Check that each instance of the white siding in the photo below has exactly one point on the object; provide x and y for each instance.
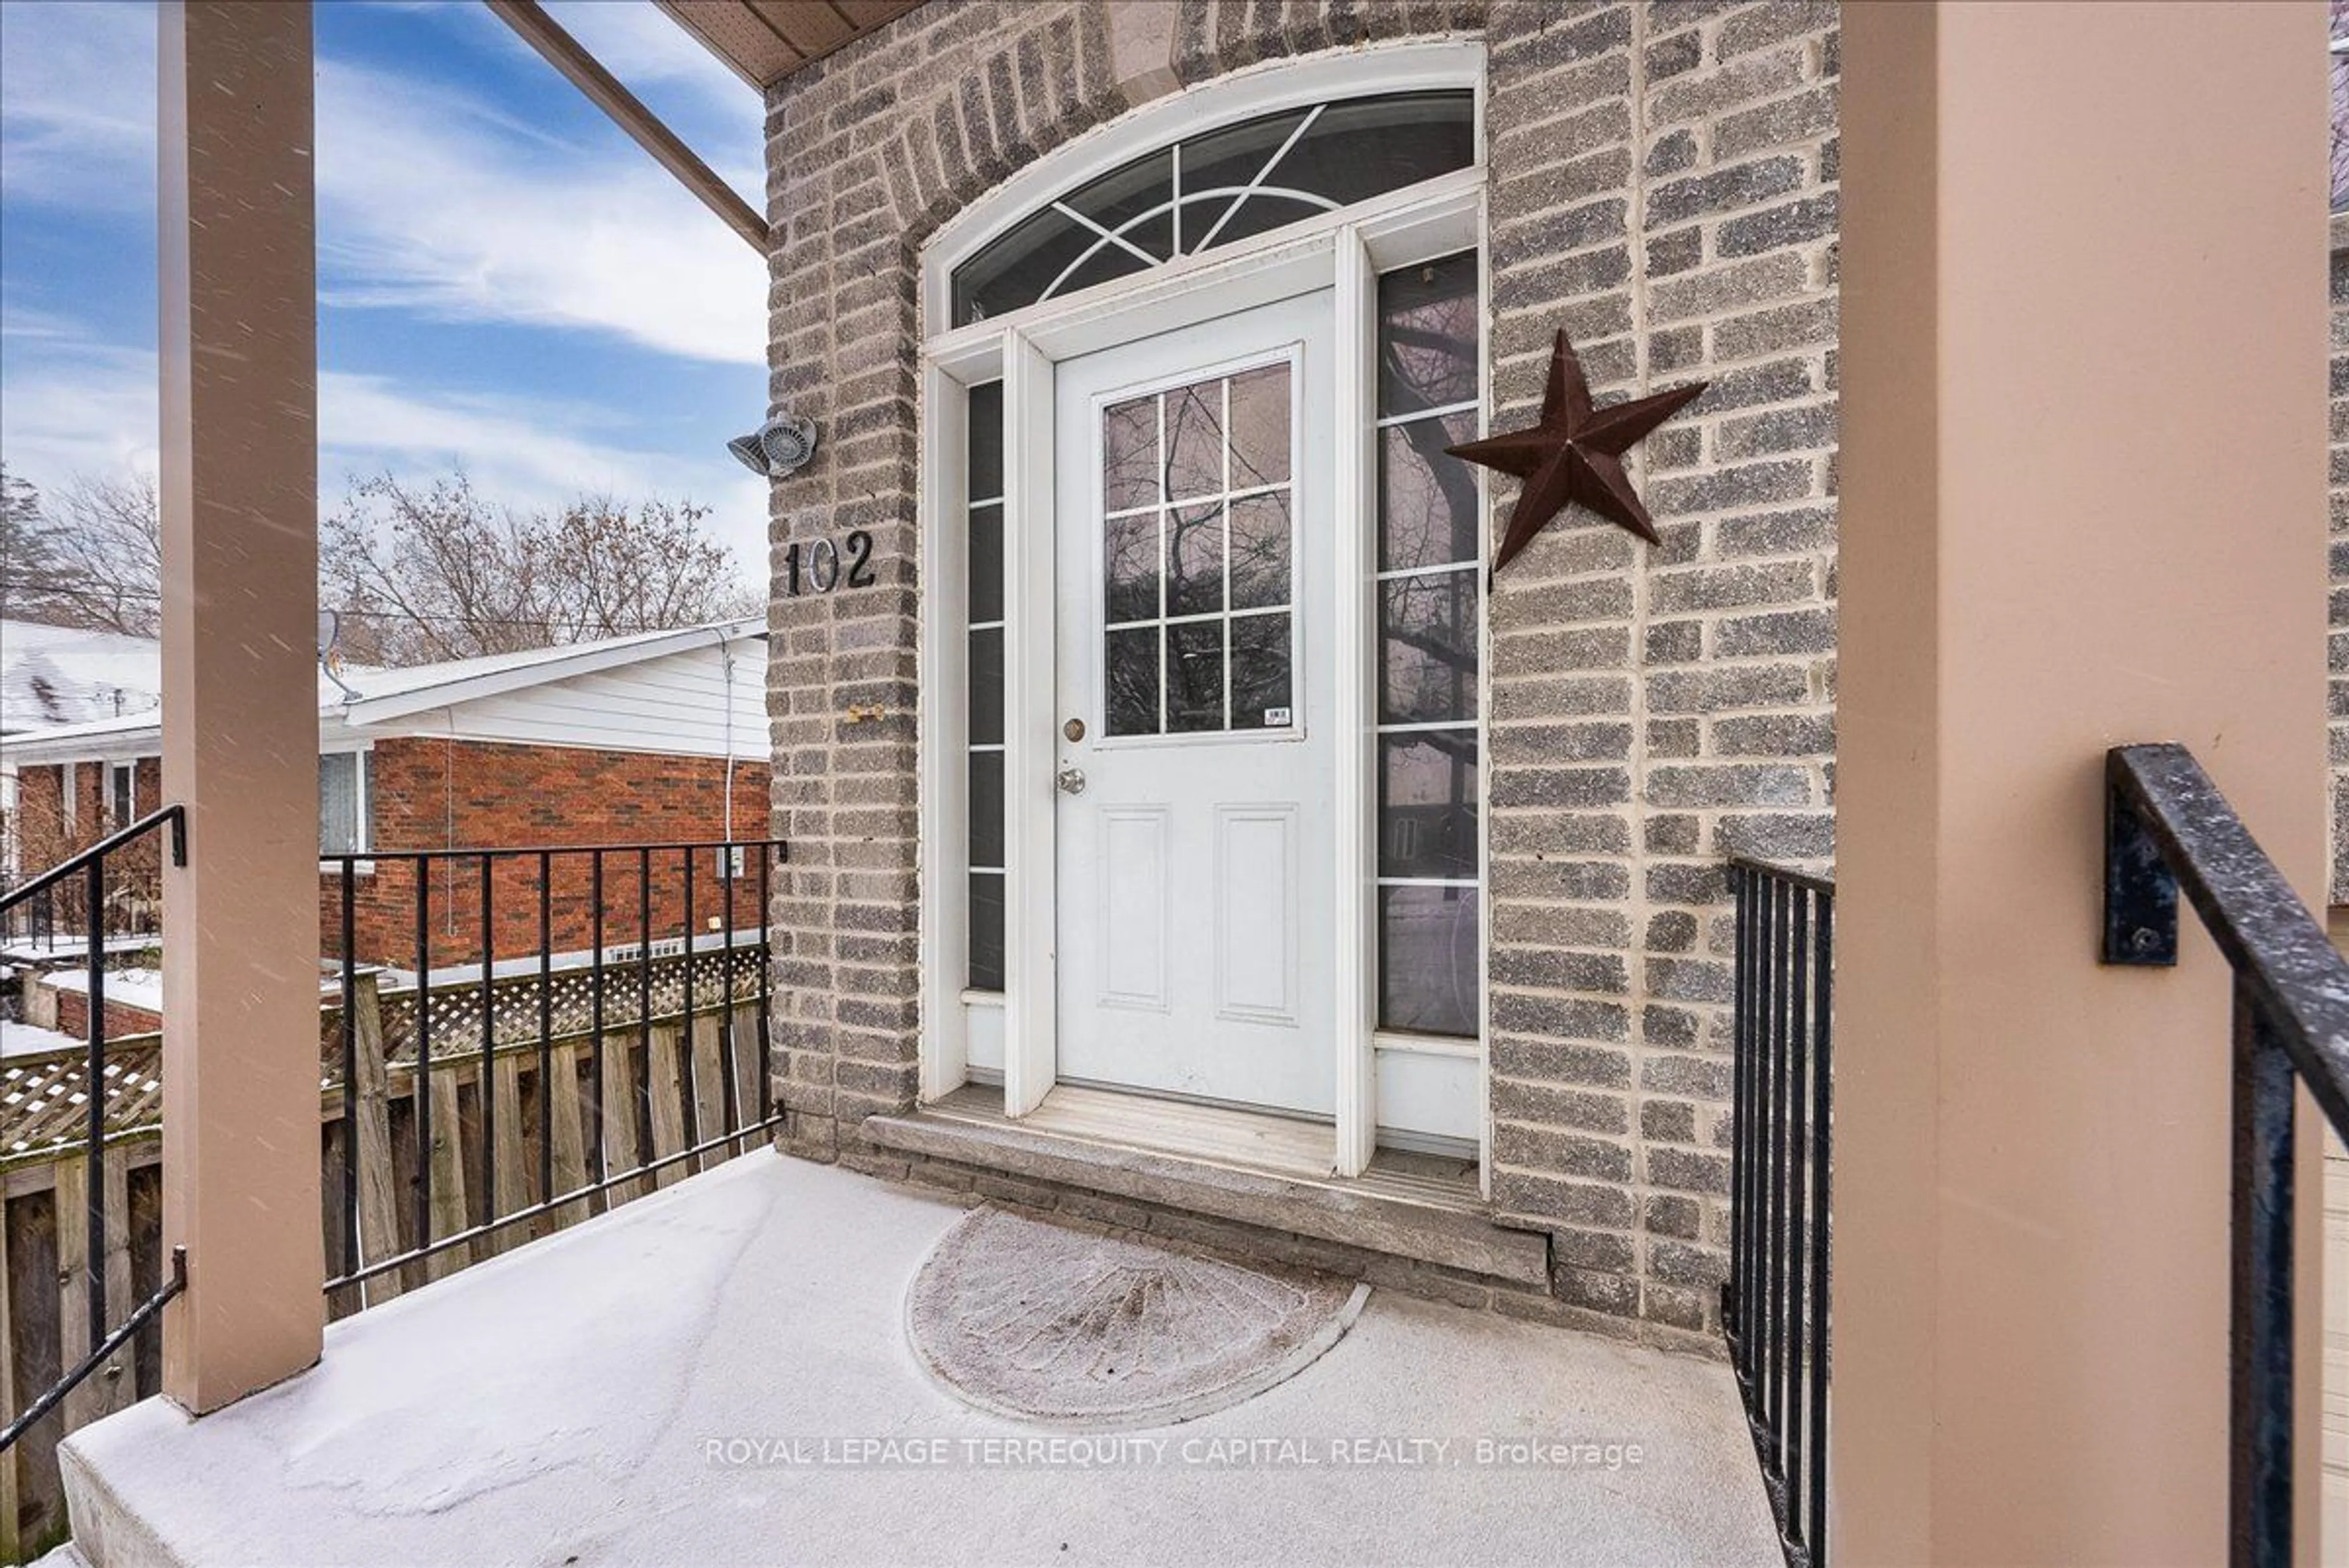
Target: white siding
(676, 704)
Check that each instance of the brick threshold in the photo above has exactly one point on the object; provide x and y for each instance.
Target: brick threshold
(1395, 1215)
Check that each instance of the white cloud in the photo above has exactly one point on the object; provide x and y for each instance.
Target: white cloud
(428, 201)
(33, 326)
(75, 405)
(432, 199)
(524, 451)
(78, 104)
(720, 117)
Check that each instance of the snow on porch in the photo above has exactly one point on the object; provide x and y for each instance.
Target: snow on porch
(719, 1375)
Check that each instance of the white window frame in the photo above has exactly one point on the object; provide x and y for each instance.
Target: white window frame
(363, 794)
(1345, 250)
(122, 793)
(70, 808)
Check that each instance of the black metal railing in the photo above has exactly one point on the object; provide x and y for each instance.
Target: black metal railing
(49, 915)
(583, 964)
(1774, 1304)
(88, 870)
(2167, 828)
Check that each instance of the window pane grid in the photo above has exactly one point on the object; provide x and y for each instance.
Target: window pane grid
(983, 639)
(1437, 570)
(1214, 189)
(1387, 422)
(1200, 618)
(1429, 597)
(1197, 575)
(1199, 502)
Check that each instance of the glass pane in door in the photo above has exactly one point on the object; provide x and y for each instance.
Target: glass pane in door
(1198, 556)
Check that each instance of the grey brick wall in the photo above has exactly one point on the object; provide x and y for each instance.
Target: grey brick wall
(1663, 184)
(1663, 181)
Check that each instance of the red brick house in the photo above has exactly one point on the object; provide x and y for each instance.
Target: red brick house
(657, 738)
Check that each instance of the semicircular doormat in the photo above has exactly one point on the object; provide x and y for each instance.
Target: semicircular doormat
(1047, 1324)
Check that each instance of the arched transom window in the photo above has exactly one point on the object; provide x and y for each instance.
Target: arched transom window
(1214, 189)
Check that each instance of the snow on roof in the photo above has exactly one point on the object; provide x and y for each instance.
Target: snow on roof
(57, 675)
(366, 695)
(30, 1040)
(385, 693)
(138, 988)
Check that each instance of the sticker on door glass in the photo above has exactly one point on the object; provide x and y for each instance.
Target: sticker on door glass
(1197, 557)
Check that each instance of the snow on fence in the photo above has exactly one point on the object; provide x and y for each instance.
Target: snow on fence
(665, 1075)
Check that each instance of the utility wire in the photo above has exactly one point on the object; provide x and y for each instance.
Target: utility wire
(149, 595)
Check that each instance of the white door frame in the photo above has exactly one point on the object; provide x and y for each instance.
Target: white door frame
(1344, 251)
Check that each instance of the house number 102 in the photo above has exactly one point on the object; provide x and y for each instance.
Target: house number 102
(815, 566)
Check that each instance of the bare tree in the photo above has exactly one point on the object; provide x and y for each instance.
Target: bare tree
(417, 572)
(96, 556)
(615, 570)
(27, 562)
(434, 571)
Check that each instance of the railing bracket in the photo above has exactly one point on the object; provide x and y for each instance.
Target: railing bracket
(2140, 892)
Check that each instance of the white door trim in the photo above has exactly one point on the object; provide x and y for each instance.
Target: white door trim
(1031, 903)
(1346, 250)
(944, 757)
(1356, 486)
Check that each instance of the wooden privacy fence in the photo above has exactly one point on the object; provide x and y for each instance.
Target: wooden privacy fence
(671, 1081)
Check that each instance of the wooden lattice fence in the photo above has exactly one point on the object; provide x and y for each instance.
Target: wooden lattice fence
(664, 1077)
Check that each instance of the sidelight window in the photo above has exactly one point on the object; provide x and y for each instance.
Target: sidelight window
(983, 621)
(1430, 608)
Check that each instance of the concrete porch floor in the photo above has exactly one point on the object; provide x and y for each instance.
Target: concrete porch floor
(660, 1386)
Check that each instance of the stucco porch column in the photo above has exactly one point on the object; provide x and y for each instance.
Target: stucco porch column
(2084, 503)
(240, 700)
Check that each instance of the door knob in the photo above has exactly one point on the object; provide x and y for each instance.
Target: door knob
(1071, 779)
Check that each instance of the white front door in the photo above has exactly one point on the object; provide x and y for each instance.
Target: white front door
(1196, 834)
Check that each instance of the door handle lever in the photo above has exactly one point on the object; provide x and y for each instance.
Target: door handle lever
(1071, 779)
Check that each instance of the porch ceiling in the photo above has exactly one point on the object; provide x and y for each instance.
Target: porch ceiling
(763, 41)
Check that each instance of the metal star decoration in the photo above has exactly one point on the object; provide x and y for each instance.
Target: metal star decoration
(1574, 455)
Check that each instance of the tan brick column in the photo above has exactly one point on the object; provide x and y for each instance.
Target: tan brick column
(240, 489)
(2083, 484)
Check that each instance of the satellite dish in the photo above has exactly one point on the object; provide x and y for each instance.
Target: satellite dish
(330, 651)
(780, 446)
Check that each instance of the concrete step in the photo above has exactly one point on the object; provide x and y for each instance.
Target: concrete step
(1409, 1222)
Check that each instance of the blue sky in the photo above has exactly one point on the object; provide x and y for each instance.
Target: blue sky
(505, 281)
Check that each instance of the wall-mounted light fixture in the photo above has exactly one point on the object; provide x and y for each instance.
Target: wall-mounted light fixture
(780, 446)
